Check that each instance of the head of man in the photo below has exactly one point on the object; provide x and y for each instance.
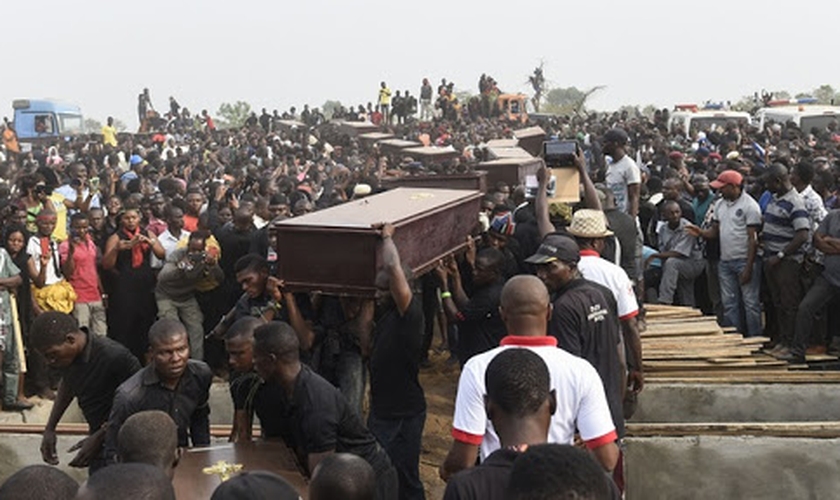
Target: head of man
(489, 267)
(671, 213)
(39, 482)
(700, 183)
(556, 472)
(256, 484)
(78, 173)
(525, 306)
(169, 348)
(615, 140)
(251, 274)
(128, 482)
(96, 218)
(243, 219)
(46, 221)
(174, 219)
(149, 437)
(777, 179)
(802, 175)
(197, 242)
(589, 227)
(729, 184)
(57, 337)
(158, 205)
(342, 475)
(277, 352)
(239, 343)
(519, 398)
(195, 200)
(556, 261)
(278, 205)
(671, 189)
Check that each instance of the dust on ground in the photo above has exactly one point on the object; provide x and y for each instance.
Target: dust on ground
(440, 382)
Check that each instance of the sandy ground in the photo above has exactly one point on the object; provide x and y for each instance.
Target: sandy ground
(440, 382)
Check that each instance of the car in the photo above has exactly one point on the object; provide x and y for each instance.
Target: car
(690, 118)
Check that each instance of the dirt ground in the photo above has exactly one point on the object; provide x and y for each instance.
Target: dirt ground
(440, 382)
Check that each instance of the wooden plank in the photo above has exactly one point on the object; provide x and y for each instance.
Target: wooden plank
(744, 377)
(817, 430)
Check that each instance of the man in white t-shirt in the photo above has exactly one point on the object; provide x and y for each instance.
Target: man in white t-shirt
(581, 402)
(623, 178)
(589, 227)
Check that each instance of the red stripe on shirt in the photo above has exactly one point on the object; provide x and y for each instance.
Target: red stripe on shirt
(518, 340)
(630, 315)
(601, 441)
(589, 253)
(466, 437)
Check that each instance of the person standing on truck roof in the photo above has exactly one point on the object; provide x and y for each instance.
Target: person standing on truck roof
(109, 133)
(385, 102)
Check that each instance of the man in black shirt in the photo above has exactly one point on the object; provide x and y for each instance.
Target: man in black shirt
(480, 325)
(309, 414)
(585, 318)
(92, 368)
(244, 381)
(520, 403)
(172, 383)
(398, 406)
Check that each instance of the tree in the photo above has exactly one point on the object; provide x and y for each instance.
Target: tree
(92, 126)
(537, 81)
(329, 108)
(825, 94)
(233, 115)
(120, 125)
(567, 100)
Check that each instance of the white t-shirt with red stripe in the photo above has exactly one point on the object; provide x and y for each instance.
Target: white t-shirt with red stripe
(581, 403)
(605, 273)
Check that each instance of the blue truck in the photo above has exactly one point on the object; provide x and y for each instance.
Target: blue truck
(39, 122)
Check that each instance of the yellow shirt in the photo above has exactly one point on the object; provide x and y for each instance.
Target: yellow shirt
(60, 232)
(384, 96)
(109, 135)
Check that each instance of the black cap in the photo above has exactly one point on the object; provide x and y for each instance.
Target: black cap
(617, 135)
(257, 484)
(556, 247)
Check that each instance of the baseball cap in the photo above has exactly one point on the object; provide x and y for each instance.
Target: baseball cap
(617, 135)
(556, 247)
(730, 177)
(257, 484)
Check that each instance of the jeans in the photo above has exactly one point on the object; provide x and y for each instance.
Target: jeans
(785, 286)
(732, 293)
(188, 313)
(92, 316)
(679, 274)
(401, 439)
(425, 109)
(10, 367)
(713, 287)
(820, 294)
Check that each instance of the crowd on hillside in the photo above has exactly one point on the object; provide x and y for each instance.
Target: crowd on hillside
(135, 267)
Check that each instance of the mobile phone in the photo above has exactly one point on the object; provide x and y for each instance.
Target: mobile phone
(94, 183)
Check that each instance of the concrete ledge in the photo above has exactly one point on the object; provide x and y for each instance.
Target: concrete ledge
(699, 402)
(731, 467)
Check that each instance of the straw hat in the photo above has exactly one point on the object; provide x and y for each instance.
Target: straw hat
(588, 223)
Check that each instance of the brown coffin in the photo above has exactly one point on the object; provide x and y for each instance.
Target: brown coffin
(516, 152)
(335, 250)
(354, 129)
(531, 139)
(475, 181)
(396, 145)
(371, 138)
(191, 483)
(511, 171)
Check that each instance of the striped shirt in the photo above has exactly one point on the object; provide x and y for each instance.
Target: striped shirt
(785, 215)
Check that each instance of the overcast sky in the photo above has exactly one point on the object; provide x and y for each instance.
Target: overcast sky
(276, 54)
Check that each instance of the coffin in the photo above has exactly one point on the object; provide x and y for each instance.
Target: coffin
(192, 483)
(530, 139)
(288, 125)
(431, 154)
(371, 138)
(511, 171)
(354, 129)
(516, 152)
(502, 143)
(335, 250)
(396, 145)
(475, 181)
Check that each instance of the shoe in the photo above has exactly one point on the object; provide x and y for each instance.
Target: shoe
(776, 349)
(817, 349)
(792, 357)
(17, 406)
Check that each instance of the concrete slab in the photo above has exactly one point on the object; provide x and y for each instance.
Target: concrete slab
(738, 403)
(743, 468)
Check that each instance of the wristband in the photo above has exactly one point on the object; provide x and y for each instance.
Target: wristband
(445, 295)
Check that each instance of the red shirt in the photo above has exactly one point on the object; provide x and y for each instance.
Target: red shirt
(85, 279)
(190, 223)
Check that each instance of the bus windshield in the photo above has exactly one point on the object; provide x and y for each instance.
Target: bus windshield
(70, 124)
(806, 123)
(705, 124)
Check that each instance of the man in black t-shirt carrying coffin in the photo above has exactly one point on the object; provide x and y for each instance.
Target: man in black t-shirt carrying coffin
(398, 406)
(307, 412)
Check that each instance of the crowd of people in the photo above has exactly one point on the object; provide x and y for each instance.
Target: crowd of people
(136, 267)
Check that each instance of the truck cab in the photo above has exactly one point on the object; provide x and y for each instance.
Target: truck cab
(691, 119)
(512, 107)
(44, 121)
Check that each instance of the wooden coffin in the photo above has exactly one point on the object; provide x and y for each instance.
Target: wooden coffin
(354, 129)
(335, 250)
(392, 146)
(530, 139)
(431, 154)
(289, 125)
(502, 143)
(192, 483)
(511, 171)
(475, 181)
(370, 138)
(496, 153)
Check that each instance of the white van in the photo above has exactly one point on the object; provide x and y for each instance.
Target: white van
(804, 116)
(692, 120)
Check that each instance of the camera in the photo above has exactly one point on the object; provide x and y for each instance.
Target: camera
(198, 257)
(560, 153)
(76, 183)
